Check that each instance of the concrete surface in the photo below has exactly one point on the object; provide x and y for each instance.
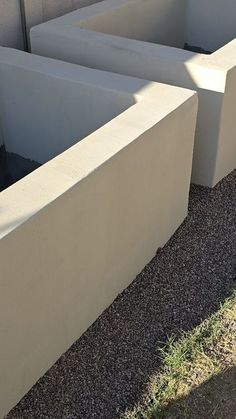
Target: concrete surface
(47, 106)
(38, 11)
(18, 16)
(11, 34)
(125, 36)
(76, 231)
(211, 23)
(109, 368)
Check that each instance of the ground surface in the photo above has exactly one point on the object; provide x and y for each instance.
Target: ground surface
(107, 370)
(198, 374)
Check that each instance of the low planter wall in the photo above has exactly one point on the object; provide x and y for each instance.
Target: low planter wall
(38, 11)
(11, 31)
(76, 231)
(18, 16)
(210, 23)
(136, 38)
(48, 106)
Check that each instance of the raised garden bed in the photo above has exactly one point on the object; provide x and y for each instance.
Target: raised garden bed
(146, 39)
(116, 158)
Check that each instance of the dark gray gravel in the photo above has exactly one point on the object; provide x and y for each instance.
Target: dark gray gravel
(108, 368)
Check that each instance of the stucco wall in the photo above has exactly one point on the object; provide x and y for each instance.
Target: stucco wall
(10, 24)
(38, 11)
(211, 23)
(76, 232)
(42, 115)
(161, 21)
(77, 38)
(201, 28)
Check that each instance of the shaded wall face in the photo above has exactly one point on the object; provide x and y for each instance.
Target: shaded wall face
(158, 21)
(208, 24)
(1, 133)
(42, 116)
(211, 23)
(13, 26)
(11, 34)
(38, 11)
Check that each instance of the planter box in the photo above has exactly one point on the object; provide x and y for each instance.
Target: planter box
(38, 11)
(76, 231)
(146, 39)
(11, 34)
(18, 16)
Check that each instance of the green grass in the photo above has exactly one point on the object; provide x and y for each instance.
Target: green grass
(194, 359)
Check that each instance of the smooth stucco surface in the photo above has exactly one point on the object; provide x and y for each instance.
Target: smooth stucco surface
(18, 16)
(147, 23)
(211, 23)
(46, 107)
(38, 11)
(110, 35)
(76, 232)
(11, 34)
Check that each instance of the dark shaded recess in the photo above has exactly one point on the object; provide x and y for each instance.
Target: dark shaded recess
(199, 50)
(13, 168)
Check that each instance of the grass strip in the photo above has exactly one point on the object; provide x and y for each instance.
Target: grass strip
(189, 362)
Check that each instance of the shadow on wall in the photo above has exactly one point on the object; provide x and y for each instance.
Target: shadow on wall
(95, 38)
(44, 10)
(11, 28)
(210, 23)
(18, 16)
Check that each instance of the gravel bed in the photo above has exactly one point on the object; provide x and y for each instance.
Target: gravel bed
(108, 368)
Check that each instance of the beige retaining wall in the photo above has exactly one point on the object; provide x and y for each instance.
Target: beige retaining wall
(11, 33)
(119, 36)
(18, 16)
(211, 23)
(75, 232)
